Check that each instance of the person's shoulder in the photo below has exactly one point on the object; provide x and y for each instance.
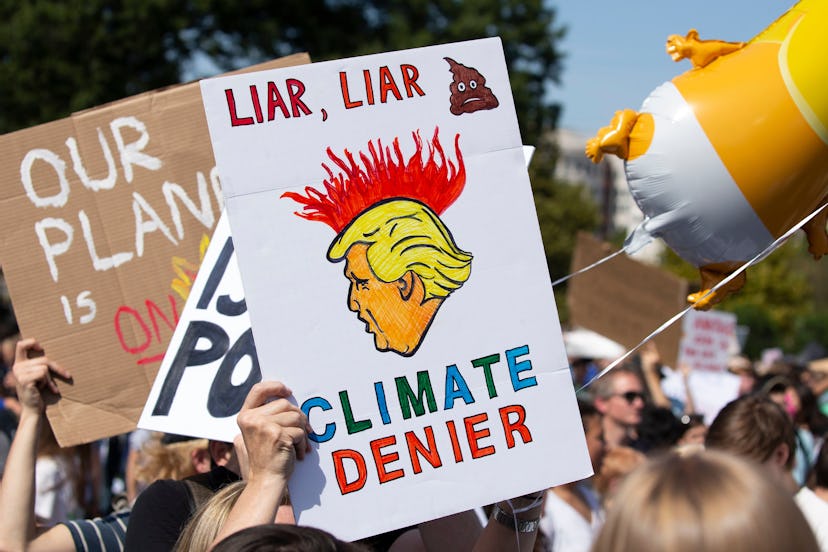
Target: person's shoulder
(214, 479)
(105, 533)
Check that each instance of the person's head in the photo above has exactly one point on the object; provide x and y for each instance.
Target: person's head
(819, 471)
(708, 500)
(694, 430)
(205, 523)
(659, 430)
(742, 367)
(594, 433)
(619, 396)
(168, 456)
(278, 537)
(401, 262)
(618, 463)
(756, 428)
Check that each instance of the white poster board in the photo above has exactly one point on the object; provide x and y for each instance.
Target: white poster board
(211, 362)
(415, 396)
(707, 338)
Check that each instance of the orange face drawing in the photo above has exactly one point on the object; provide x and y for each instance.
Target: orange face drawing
(401, 261)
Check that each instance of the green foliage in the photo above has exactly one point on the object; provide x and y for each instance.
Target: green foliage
(563, 210)
(61, 56)
(778, 302)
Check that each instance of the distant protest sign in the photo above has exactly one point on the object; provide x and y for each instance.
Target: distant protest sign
(103, 215)
(707, 339)
(624, 299)
(395, 278)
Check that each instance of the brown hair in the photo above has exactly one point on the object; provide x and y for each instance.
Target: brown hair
(705, 501)
(167, 461)
(752, 426)
(604, 387)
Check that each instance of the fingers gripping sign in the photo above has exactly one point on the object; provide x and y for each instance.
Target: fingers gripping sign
(35, 375)
(274, 432)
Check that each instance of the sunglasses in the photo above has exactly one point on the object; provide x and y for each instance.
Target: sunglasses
(630, 396)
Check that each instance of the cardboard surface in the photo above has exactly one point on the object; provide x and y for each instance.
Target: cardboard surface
(624, 299)
(103, 215)
(410, 410)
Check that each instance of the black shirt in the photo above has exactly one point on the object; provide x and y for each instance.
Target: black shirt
(163, 509)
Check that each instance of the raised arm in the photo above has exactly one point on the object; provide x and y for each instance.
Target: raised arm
(274, 434)
(35, 387)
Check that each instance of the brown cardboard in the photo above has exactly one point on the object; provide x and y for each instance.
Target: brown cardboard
(625, 299)
(165, 143)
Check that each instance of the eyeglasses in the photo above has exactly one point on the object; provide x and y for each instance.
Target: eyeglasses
(630, 396)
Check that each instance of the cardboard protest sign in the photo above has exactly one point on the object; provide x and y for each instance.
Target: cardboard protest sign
(213, 333)
(624, 299)
(395, 278)
(707, 340)
(103, 215)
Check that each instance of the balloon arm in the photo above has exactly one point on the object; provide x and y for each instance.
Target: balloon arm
(767, 251)
(649, 228)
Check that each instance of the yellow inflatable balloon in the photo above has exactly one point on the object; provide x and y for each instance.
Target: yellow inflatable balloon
(731, 154)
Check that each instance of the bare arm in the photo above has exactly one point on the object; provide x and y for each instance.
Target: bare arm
(650, 363)
(498, 537)
(689, 404)
(274, 435)
(35, 386)
(456, 532)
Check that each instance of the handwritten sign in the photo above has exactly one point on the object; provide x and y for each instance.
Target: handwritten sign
(214, 337)
(395, 278)
(707, 339)
(103, 215)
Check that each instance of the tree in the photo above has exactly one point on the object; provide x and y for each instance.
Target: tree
(61, 56)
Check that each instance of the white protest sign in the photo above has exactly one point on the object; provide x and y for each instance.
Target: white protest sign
(706, 340)
(211, 362)
(419, 383)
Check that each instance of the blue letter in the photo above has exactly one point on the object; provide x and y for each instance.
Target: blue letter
(516, 367)
(330, 429)
(456, 387)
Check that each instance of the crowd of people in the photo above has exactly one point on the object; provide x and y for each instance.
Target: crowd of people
(755, 478)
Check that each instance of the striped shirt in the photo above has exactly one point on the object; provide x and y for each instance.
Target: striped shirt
(104, 534)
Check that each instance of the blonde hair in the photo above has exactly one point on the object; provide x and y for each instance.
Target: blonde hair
(202, 528)
(167, 461)
(710, 500)
(402, 235)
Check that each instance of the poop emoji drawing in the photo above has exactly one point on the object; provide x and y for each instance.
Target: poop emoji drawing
(469, 92)
(401, 261)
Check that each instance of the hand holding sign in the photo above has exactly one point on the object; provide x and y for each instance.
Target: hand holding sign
(35, 375)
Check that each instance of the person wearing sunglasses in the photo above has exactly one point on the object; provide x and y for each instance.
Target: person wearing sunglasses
(619, 396)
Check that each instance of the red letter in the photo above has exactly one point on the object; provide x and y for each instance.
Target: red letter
(416, 446)
(295, 91)
(343, 83)
(474, 436)
(134, 313)
(341, 478)
(152, 308)
(382, 459)
(455, 444)
(274, 100)
(369, 89)
(387, 84)
(231, 105)
(517, 425)
(410, 76)
(257, 107)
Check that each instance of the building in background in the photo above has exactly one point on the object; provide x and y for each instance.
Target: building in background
(607, 185)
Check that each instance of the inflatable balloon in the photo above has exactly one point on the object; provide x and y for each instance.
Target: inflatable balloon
(733, 153)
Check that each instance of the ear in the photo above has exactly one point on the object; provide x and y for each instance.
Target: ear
(200, 459)
(780, 456)
(405, 284)
(600, 405)
(221, 452)
(692, 34)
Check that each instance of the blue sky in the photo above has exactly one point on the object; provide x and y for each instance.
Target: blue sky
(615, 50)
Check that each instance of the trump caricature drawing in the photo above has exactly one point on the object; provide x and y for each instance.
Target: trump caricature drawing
(401, 261)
